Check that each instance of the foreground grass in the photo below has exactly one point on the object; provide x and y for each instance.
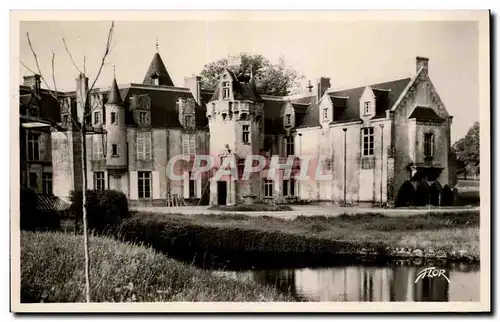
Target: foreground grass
(454, 236)
(52, 271)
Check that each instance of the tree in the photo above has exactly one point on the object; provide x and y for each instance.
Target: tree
(79, 125)
(272, 79)
(467, 151)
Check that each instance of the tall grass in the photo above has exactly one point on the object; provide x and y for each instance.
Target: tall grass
(345, 234)
(52, 271)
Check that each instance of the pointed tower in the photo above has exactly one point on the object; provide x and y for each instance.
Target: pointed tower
(116, 156)
(235, 120)
(157, 72)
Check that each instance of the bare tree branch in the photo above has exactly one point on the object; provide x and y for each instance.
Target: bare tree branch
(71, 57)
(106, 53)
(54, 70)
(25, 66)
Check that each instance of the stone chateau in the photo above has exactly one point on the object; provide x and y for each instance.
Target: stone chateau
(374, 138)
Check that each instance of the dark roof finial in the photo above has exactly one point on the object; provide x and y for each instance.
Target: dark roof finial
(114, 71)
(156, 43)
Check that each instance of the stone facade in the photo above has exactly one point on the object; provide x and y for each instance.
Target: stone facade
(365, 142)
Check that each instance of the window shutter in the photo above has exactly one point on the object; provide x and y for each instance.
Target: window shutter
(140, 146)
(186, 185)
(133, 185)
(148, 144)
(185, 144)
(156, 185)
(198, 186)
(192, 144)
(41, 142)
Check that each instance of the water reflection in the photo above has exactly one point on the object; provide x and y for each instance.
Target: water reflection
(360, 283)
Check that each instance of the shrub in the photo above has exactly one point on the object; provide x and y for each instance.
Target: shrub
(52, 271)
(105, 209)
(31, 218)
(406, 195)
(422, 193)
(446, 196)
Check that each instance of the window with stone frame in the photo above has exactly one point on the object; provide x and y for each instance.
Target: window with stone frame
(192, 185)
(268, 188)
(144, 184)
(246, 133)
(143, 118)
(429, 144)
(97, 118)
(99, 181)
(114, 150)
(289, 188)
(113, 118)
(368, 141)
(34, 147)
(367, 108)
(325, 114)
(143, 145)
(226, 90)
(189, 144)
(290, 145)
(98, 153)
(288, 120)
(47, 183)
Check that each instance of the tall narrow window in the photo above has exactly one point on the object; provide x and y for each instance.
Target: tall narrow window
(246, 134)
(97, 117)
(34, 147)
(192, 185)
(325, 114)
(113, 117)
(225, 90)
(114, 150)
(368, 141)
(143, 145)
(187, 120)
(367, 108)
(143, 117)
(290, 145)
(289, 188)
(33, 181)
(47, 183)
(144, 184)
(99, 182)
(268, 188)
(97, 147)
(428, 144)
(288, 120)
(189, 144)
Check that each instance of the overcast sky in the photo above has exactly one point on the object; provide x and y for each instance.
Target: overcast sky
(350, 53)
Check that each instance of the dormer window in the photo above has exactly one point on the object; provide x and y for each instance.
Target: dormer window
(97, 117)
(325, 114)
(65, 118)
(367, 108)
(143, 117)
(428, 144)
(187, 120)
(225, 90)
(156, 79)
(288, 120)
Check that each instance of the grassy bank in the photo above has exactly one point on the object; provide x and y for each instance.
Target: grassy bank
(52, 271)
(446, 235)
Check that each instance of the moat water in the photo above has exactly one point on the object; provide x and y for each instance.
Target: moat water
(368, 283)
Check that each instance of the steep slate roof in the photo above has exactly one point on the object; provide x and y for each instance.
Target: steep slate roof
(47, 105)
(425, 114)
(346, 102)
(163, 105)
(114, 94)
(157, 67)
(242, 90)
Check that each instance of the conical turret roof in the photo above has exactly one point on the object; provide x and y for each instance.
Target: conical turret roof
(157, 69)
(114, 96)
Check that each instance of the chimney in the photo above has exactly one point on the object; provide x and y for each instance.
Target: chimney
(194, 85)
(322, 87)
(32, 81)
(422, 62)
(234, 64)
(82, 86)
